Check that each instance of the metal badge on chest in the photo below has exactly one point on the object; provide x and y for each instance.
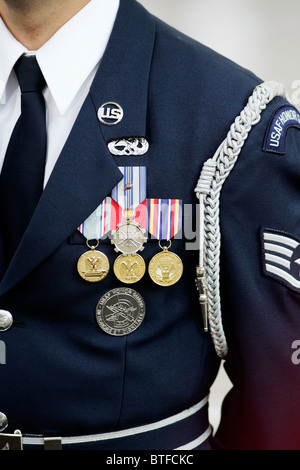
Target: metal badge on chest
(127, 216)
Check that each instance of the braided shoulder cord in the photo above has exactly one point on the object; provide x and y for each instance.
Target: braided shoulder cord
(213, 175)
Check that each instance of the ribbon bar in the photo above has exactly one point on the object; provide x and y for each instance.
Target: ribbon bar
(164, 218)
(131, 191)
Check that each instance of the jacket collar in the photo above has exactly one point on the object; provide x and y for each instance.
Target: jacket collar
(86, 172)
(124, 71)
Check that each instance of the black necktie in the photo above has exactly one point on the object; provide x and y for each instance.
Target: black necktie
(21, 179)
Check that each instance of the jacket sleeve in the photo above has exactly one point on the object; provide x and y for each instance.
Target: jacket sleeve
(260, 286)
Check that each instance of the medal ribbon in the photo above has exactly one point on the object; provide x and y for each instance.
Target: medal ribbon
(164, 218)
(104, 219)
(131, 191)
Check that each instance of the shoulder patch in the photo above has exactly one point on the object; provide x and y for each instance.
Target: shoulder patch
(282, 119)
(281, 257)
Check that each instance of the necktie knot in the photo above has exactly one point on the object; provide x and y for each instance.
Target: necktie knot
(29, 74)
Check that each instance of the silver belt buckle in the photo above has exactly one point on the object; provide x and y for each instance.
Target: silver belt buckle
(11, 441)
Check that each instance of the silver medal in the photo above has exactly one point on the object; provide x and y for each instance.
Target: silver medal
(120, 311)
(128, 238)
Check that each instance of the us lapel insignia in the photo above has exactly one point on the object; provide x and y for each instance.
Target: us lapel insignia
(110, 113)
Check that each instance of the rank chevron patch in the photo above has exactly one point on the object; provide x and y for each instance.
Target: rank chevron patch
(281, 257)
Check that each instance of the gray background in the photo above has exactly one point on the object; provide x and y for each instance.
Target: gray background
(260, 35)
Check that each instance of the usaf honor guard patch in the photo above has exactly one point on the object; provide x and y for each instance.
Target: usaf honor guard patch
(281, 257)
(283, 118)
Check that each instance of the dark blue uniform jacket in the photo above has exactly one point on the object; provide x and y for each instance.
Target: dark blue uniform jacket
(65, 376)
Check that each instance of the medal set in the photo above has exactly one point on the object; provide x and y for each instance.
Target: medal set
(165, 268)
(128, 215)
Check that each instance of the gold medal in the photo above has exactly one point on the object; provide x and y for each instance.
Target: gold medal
(93, 266)
(129, 268)
(165, 268)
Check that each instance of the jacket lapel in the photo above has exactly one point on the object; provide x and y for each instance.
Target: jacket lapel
(125, 70)
(83, 176)
(86, 172)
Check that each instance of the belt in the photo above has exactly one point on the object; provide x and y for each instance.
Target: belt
(187, 430)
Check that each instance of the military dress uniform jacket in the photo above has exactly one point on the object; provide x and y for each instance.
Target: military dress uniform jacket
(65, 376)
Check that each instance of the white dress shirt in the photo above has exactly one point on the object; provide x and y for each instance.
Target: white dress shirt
(68, 61)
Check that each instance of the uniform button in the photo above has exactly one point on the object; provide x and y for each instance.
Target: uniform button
(3, 422)
(6, 320)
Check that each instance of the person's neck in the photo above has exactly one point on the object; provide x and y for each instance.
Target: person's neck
(33, 23)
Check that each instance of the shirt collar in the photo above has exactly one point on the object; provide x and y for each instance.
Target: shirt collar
(10, 51)
(69, 57)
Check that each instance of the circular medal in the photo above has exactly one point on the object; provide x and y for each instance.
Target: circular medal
(128, 238)
(129, 268)
(93, 266)
(120, 311)
(165, 268)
